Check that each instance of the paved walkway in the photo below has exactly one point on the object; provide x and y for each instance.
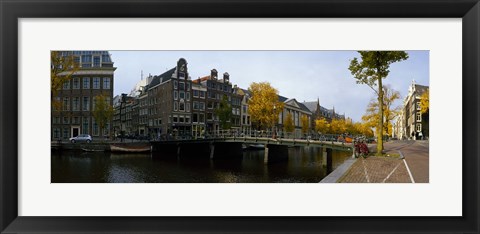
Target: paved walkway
(392, 169)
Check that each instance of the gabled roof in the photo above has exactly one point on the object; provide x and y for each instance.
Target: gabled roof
(420, 89)
(303, 107)
(162, 78)
(312, 106)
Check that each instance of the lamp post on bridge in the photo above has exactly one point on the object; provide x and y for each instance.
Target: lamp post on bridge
(274, 125)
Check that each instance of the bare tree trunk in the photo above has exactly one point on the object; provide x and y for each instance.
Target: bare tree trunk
(380, 121)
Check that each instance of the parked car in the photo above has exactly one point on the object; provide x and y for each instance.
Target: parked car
(82, 137)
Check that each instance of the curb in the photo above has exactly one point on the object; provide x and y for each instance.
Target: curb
(338, 173)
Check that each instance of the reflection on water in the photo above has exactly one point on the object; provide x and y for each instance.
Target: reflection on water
(304, 165)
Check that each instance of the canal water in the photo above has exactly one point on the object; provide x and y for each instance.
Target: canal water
(304, 165)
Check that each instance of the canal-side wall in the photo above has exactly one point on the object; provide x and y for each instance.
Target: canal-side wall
(338, 173)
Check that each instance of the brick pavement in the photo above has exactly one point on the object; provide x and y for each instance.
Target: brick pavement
(377, 170)
(392, 169)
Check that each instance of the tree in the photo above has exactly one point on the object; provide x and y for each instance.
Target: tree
(425, 112)
(425, 102)
(62, 69)
(373, 67)
(102, 112)
(322, 125)
(288, 123)
(371, 117)
(338, 126)
(264, 106)
(305, 123)
(224, 113)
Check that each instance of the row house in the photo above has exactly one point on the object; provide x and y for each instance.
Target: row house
(77, 97)
(245, 120)
(199, 93)
(216, 89)
(169, 100)
(413, 124)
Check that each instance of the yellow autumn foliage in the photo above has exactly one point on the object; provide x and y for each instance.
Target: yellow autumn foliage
(264, 106)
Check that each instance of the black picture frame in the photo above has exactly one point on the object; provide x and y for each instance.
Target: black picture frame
(11, 11)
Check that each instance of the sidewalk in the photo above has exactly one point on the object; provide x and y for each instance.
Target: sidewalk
(392, 169)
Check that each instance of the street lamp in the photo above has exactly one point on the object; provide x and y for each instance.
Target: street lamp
(274, 113)
(122, 101)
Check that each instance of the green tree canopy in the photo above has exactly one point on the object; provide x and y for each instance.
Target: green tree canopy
(224, 113)
(102, 112)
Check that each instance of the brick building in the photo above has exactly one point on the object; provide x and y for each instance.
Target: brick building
(94, 77)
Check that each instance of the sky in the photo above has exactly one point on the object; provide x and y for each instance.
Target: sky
(303, 75)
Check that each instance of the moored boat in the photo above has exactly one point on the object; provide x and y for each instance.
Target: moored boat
(93, 150)
(130, 148)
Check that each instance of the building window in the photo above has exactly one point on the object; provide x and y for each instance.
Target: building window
(182, 106)
(182, 95)
(175, 95)
(96, 82)
(419, 117)
(195, 105)
(209, 116)
(202, 105)
(195, 118)
(76, 83)
(106, 131)
(175, 119)
(175, 106)
(202, 94)
(187, 108)
(195, 93)
(76, 104)
(85, 125)
(66, 104)
(201, 118)
(95, 127)
(66, 85)
(86, 82)
(210, 105)
(188, 96)
(187, 119)
(66, 120)
(181, 119)
(56, 133)
(56, 120)
(87, 59)
(96, 61)
(86, 104)
(188, 86)
(175, 84)
(419, 127)
(181, 85)
(106, 82)
(106, 58)
(181, 75)
(418, 106)
(65, 133)
(76, 120)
